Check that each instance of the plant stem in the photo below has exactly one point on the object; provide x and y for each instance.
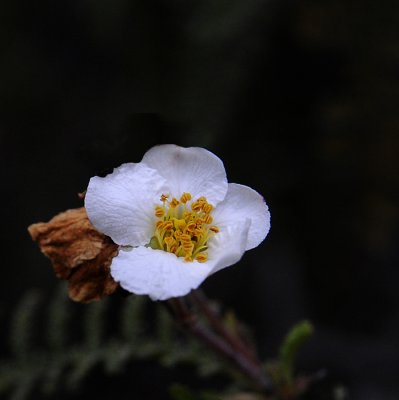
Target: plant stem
(221, 345)
(214, 319)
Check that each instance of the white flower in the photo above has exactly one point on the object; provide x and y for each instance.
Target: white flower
(176, 219)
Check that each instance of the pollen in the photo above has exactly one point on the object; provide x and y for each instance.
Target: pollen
(183, 227)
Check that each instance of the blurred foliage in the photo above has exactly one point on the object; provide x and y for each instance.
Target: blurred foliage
(290, 347)
(282, 370)
(52, 350)
(62, 363)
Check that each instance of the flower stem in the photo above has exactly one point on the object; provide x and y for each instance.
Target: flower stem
(214, 319)
(224, 346)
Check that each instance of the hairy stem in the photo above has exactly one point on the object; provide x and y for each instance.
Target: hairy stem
(214, 319)
(221, 345)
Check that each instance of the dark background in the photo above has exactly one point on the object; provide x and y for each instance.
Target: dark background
(298, 98)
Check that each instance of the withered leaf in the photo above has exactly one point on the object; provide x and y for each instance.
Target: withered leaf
(79, 253)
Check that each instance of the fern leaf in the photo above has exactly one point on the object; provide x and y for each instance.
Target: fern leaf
(22, 325)
(95, 323)
(116, 356)
(58, 314)
(132, 318)
(84, 362)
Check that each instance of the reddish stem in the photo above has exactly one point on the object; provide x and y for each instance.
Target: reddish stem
(240, 359)
(214, 318)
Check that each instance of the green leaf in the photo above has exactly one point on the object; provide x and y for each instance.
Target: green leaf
(22, 325)
(95, 323)
(132, 318)
(290, 347)
(58, 318)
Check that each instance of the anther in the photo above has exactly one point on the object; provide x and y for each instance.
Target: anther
(207, 219)
(159, 211)
(164, 197)
(214, 229)
(191, 226)
(185, 238)
(168, 225)
(174, 203)
(188, 247)
(187, 214)
(196, 206)
(169, 240)
(207, 208)
(201, 257)
(185, 197)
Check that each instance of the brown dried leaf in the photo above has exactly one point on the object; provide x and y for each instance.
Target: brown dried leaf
(79, 253)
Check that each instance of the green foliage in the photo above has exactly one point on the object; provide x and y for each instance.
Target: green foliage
(283, 369)
(22, 325)
(290, 347)
(71, 346)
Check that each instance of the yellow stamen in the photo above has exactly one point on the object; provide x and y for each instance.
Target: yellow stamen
(202, 257)
(168, 225)
(159, 211)
(174, 203)
(207, 219)
(196, 206)
(191, 226)
(207, 208)
(183, 227)
(185, 197)
(164, 197)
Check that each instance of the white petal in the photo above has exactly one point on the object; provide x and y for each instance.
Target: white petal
(156, 273)
(242, 202)
(193, 169)
(227, 246)
(121, 205)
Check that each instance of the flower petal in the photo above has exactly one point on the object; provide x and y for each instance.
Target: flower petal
(227, 246)
(193, 169)
(121, 205)
(242, 202)
(156, 273)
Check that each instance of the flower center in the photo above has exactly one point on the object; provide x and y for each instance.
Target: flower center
(184, 229)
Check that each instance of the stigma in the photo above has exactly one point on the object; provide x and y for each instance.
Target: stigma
(184, 227)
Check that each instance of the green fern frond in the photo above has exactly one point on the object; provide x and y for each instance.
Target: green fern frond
(58, 319)
(22, 325)
(132, 318)
(95, 323)
(77, 341)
